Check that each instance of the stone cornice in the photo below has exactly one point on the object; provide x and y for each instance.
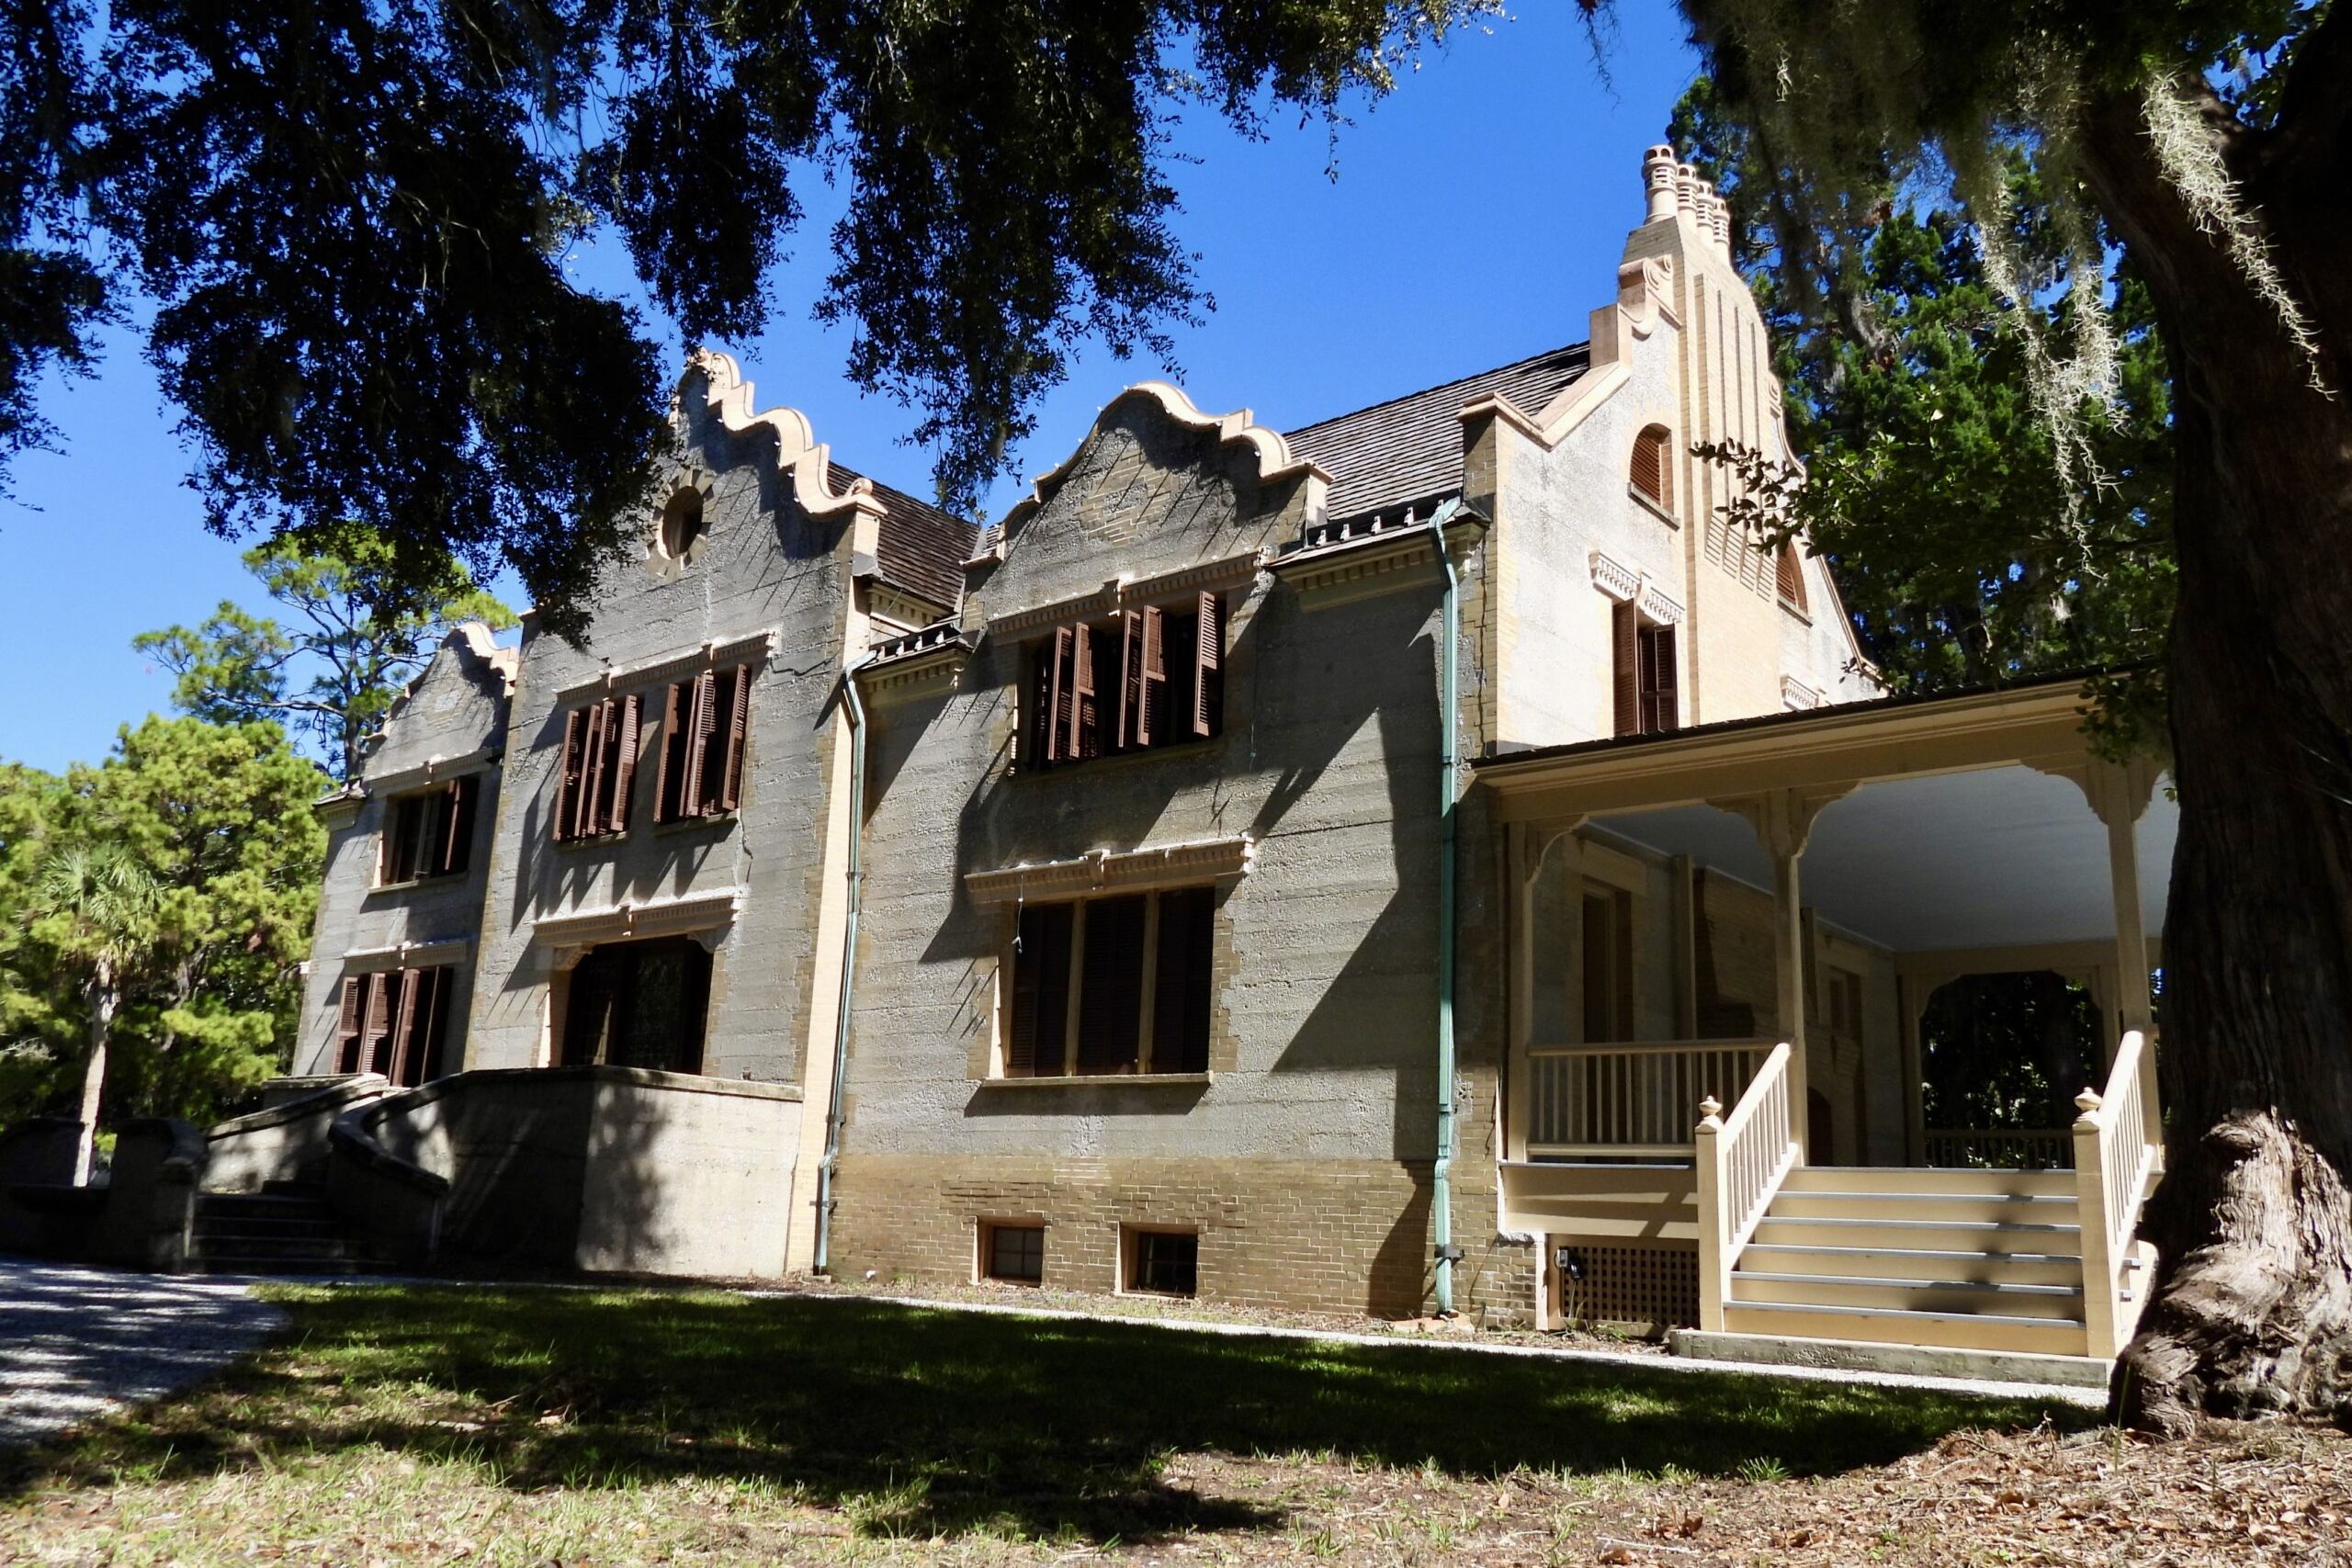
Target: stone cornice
(751, 646)
(1113, 872)
(408, 955)
(1121, 593)
(702, 915)
(917, 662)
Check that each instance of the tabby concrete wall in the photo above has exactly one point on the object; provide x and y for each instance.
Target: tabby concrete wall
(1323, 1055)
(455, 709)
(762, 565)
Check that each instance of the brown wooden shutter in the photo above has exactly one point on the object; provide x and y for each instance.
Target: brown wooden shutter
(568, 781)
(1658, 679)
(1151, 715)
(1059, 701)
(1649, 464)
(669, 794)
(346, 1029)
(594, 737)
(1130, 680)
(1208, 668)
(1179, 998)
(458, 824)
(738, 730)
(433, 1024)
(628, 733)
(1791, 570)
(1109, 999)
(1040, 992)
(1038, 739)
(1625, 656)
(700, 721)
(403, 1042)
(1085, 712)
(374, 1035)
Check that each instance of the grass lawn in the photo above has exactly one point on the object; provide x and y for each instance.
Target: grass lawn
(487, 1427)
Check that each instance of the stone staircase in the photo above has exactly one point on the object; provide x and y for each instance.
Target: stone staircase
(288, 1227)
(1969, 1260)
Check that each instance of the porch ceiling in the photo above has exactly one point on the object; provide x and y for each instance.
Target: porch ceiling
(1995, 857)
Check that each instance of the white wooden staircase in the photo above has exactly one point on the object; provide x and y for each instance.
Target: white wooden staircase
(2002, 1272)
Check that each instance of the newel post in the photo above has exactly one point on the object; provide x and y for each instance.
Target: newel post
(2091, 1177)
(1714, 1240)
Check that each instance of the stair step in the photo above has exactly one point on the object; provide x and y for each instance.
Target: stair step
(1994, 1237)
(1928, 1178)
(321, 1247)
(1964, 1297)
(1852, 1205)
(1915, 1263)
(242, 1264)
(1972, 1331)
(261, 1203)
(267, 1225)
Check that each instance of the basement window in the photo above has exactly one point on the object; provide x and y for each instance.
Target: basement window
(1013, 1255)
(1143, 679)
(1161, 1262)
(1112, 985)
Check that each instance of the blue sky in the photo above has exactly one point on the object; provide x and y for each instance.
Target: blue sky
(1476, 217)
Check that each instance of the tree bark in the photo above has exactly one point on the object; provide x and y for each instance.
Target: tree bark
(2254, 1313)
(103, 999)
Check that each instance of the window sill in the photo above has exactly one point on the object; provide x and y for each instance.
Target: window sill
(444, 879)
(1652, 508)
(592, 840)
(1199, 746)
(1792, 607)
(1067, 1081)
(689, 824)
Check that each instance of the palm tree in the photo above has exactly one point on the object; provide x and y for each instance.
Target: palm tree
(99, 904)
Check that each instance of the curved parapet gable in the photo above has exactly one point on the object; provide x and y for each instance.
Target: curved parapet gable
(798, 452)
(459, 725)
(1239, 428)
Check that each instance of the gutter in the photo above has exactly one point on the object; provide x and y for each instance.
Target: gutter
(1450, 718)
(856, 707)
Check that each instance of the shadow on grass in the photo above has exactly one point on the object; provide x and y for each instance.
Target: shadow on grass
(927, 1423)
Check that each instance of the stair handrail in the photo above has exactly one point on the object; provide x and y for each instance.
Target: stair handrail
(1742, 1158)
(2119, 1150)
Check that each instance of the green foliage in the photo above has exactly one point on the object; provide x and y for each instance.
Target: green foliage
(1970, 553)
(335, 671)
(2008, 1051)
(355, 220)
(189, 862)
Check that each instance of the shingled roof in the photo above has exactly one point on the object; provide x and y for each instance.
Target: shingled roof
(918, 547)
(1410, 448)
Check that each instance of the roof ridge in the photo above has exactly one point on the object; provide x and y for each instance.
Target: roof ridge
(1584, 344)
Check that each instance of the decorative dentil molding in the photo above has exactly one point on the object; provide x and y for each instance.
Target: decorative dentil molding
(1110, 871)
(1629, 586)
(1126, 593)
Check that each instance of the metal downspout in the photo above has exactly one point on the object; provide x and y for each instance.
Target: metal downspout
(856, 709)
(1449, 703)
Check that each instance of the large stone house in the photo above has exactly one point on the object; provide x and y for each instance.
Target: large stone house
(1351, 868)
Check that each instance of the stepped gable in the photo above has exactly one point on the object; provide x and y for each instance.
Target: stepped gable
(919, 547)
(1410, 448)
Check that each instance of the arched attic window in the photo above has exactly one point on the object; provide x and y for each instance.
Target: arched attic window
(1791, 567)
(1653, 474)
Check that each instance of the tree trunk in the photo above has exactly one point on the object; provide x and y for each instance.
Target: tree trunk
(103, 999)
(2255, 1307)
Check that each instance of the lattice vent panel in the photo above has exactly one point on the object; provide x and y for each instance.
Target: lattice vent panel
(1654, 1287)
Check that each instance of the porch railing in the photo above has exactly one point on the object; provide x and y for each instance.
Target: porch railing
(2001, 1148)
(1742, 1159)
(1629, 1102)
(2119, 1156)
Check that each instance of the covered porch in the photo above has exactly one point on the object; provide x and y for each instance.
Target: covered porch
(1833, 1028)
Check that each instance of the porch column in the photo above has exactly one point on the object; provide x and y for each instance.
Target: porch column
(1784, 821)
(2120, 793)
(1910, 1002)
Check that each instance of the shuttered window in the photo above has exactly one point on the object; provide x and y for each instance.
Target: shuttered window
(1100, 688)
(1652, 469)
(600, 747)
(1643, 673)
(1791, 569)
(638, 1004)
(428, 833)
(706, 733)
(396, 1023)
(1112, 985)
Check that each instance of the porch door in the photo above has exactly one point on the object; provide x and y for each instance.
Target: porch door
(639, 1004)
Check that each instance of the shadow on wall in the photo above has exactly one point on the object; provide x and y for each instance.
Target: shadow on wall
(994, 1426)
(602, 1169)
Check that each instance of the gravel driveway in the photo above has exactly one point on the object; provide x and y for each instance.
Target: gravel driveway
(76, 1342)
